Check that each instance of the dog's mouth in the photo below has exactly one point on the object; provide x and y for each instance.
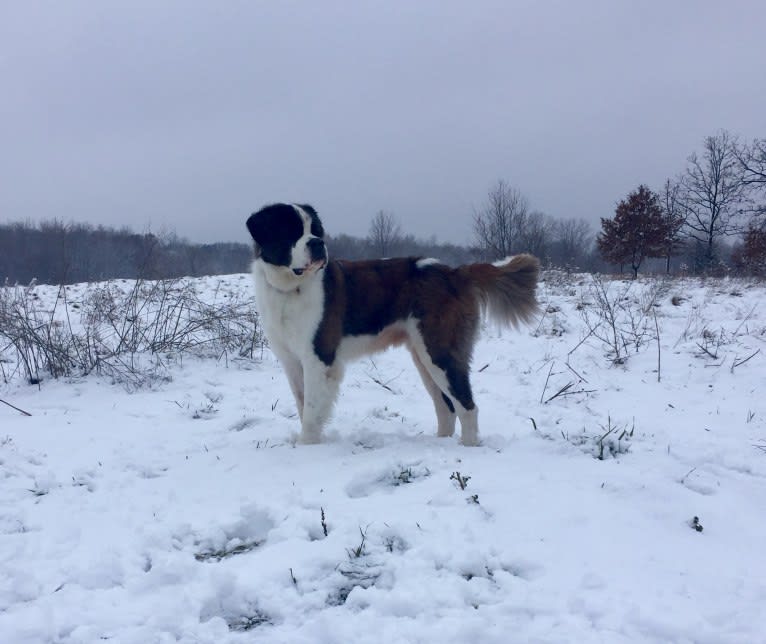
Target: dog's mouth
(312, 267)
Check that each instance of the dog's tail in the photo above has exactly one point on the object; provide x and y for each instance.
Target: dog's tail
(506, 289)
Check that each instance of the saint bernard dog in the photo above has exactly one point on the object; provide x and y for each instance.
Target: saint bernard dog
(318, 314)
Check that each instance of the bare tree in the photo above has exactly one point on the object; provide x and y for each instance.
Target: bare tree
(675, 217)
(713, 193)
(573, 239)
(499, 226)
(537, 235)
(752, 160)
(385, 233)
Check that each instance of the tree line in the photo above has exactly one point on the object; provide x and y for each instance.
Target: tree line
(713, 214)
(507, 224)
(54, 252)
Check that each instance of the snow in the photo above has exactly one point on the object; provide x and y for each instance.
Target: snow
(184, 512)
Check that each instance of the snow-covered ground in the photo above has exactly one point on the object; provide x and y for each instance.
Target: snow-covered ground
(184, 512)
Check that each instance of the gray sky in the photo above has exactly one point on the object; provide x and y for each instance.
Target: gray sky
(189, 115)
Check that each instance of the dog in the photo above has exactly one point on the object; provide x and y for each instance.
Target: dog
(318, 314)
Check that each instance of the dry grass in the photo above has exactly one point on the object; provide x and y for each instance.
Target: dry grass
(127, 336)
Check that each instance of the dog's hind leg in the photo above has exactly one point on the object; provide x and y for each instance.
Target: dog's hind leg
(459, 387)
(450, 375)
(445, 410)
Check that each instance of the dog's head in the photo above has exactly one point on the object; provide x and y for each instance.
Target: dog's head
(288, 242)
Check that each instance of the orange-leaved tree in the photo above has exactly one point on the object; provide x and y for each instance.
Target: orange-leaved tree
(638, 230)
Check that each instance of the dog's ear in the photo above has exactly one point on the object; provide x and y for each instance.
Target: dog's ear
(308, 208)
(259, 224)
(316, 225)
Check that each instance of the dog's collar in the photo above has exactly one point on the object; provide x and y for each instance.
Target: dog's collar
(295, 290)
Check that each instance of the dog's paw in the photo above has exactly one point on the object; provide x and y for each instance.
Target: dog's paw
(470, 441)
(305, 438)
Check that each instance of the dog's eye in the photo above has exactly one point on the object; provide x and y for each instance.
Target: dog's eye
(298, 271)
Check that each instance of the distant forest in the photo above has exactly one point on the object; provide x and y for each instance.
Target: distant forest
(53, 252)
(56, 253)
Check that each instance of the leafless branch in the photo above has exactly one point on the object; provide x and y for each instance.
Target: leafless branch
(737, 363)
(26, 413)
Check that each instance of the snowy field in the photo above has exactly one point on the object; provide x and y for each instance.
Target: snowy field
(183, 511)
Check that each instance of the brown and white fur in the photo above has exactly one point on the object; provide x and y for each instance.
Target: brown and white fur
(319, 314)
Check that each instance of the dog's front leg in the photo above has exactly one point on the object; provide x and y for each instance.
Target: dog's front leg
(294, 372)
(320, 384)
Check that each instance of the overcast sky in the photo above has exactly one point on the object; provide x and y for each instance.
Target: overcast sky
(187, 116)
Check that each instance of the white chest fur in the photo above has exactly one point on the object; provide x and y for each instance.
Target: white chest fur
(290, 318)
